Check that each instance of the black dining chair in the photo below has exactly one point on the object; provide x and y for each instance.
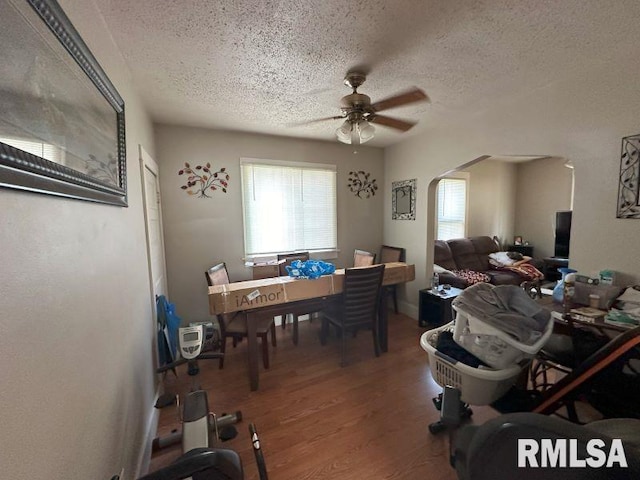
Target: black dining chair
(389, 255)
(234, 325)
(357, 307)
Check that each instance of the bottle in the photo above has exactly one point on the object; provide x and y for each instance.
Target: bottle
(568, 292)
(435, 282)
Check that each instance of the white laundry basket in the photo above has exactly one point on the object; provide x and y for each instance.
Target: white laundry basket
(477, 386)
(492, 345)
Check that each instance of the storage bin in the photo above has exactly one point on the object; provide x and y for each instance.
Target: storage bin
(490, 344)
(477, 386)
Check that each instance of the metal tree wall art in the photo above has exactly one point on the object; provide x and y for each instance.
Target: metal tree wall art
(201, 179)
(360, 184)
(628, 188)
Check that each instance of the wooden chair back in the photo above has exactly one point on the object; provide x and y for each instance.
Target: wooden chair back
(361, 295)
(217, 275)
(391, 254)
(289, 258)
(362, 258)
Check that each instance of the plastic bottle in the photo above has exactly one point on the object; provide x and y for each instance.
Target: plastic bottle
(435, 282)
(568, 292)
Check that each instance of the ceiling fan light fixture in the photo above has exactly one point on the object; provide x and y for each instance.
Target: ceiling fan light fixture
(344, 132)
(366, 131)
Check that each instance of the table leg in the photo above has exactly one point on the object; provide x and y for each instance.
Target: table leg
(252, 351)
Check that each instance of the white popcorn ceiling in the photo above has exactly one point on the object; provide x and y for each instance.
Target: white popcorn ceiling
(260, 66)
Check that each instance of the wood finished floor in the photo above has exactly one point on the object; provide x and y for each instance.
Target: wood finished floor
(318, 421)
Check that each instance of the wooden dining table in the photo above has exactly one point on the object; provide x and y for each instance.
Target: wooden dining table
(300, 307)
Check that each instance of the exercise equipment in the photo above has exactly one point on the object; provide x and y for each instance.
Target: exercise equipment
(200, 427)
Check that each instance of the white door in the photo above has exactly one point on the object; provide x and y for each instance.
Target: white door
(153, 220)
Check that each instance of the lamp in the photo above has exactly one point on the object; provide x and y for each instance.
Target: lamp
(355, 131)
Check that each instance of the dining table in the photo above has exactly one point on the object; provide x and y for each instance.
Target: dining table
(315, 301)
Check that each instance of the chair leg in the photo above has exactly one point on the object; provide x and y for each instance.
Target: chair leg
(376, 341)
(343, 348)
(324, 331)
(283, 322)
(273, 335)
(223, 347)
(265, 350)
(295, 329)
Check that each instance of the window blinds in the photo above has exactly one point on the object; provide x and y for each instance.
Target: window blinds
(288, 207)
(452, 208)
(41, 149)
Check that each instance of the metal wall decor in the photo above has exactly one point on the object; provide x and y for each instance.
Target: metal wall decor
(360, 184)
(202, 180)
(628, 188)
(403, 200)
(62, 126)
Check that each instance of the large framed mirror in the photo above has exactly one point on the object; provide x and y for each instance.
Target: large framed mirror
(403, 200)
(62, 126)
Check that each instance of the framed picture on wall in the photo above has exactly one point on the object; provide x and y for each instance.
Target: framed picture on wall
(517, 240)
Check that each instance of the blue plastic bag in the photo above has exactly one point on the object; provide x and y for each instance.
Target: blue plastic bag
(310, 269)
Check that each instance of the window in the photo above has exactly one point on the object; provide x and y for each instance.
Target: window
(452, 208)
(41, 149)
(288, 207)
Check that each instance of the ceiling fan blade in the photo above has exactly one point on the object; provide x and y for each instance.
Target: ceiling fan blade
(414, 95)
(317, 120)
(391, 122)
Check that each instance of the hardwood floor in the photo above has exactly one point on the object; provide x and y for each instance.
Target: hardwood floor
(319, 421)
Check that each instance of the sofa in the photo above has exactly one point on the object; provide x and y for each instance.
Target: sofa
(470, 254)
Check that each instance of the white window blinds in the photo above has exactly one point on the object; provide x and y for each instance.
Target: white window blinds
(452, 208)
(288, 207)
(41, 149)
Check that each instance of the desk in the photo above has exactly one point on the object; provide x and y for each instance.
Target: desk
(397, 272)
(560, 319)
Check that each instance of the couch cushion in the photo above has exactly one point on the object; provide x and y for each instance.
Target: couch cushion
(443, 255)
(503, 277)
(465, 255)
(484, 246)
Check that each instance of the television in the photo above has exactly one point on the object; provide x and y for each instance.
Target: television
(563, 234)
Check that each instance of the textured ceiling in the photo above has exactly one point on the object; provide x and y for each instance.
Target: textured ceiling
(262, 65)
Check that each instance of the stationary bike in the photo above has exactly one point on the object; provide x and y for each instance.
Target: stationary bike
(202, 430)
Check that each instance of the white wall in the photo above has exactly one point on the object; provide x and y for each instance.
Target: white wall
(76, 331)
(492, 199)
(581, 119)
(543, 188)
(200, 232)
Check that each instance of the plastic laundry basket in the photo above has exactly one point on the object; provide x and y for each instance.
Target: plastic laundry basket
(492, 345)
(478, 386)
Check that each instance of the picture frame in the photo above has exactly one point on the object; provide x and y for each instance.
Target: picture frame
(403, 200)
(517, 240)
(62, 122)
(628, 186)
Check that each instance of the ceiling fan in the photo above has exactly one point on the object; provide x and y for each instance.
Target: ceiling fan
(359, 113)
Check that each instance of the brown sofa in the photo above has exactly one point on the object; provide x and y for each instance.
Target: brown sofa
(470, 254)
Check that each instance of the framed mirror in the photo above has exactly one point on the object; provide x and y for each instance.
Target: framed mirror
(62, 128)
(403, 200)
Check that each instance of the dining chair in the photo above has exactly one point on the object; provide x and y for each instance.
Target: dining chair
(356, 308)
(362, 258)
(388, 255)
(288, 259)
(234, 325)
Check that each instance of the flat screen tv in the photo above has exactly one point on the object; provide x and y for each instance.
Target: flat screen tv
(563, 234)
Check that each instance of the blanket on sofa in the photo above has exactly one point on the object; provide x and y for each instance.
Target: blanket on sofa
(525, 270)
